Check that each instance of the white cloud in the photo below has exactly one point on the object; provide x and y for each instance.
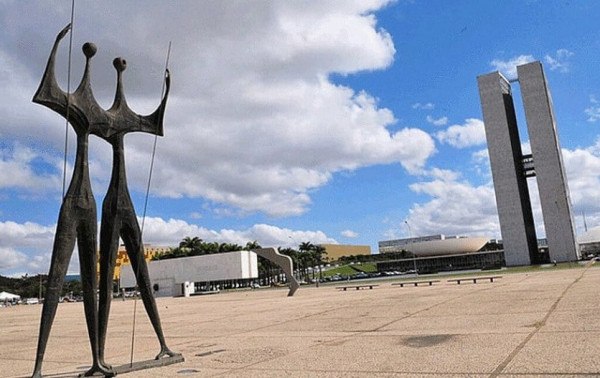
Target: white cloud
(442, 121)
(10, 259)
(583, 172)
(508, 68)
(17, 170)
(26, 247)
(253, 121)
(195, 215)
(471, 133)
(349, 234)
(170, 232)
(560, 60)
(425, 106)
(593, 111)
(456, 208)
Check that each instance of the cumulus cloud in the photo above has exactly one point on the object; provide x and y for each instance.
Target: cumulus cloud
(20, 168)
(456, 207)
(423, 106)
(442, 121)
(27, 247)
(582, 166)
(508, 68)
(471, 133)
(9, 259)
(253, 121)
(559, 61)
(593, 111)
(170, 232)
(349, 234)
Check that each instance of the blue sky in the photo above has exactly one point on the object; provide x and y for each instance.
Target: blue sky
(321, 121)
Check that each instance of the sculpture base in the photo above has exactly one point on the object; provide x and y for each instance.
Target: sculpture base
(142, 365)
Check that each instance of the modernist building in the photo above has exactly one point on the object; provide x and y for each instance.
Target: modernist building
(176, 277)
(434, 245)
(123, 259)
(445, 263)
(510, 168)
(335, 251)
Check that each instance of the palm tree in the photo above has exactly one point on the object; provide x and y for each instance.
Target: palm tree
(319, 252)
(230, 247)
(293, 254)
(306, 246)
(252, 245)
(306, 255)
(191, 243)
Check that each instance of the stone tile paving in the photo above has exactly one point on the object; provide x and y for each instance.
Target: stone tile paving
(526, 324)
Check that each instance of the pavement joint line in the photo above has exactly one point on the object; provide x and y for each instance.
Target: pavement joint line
(498, 371)
(478, 290)
(546, 374)
(354, 333)
(227, 371)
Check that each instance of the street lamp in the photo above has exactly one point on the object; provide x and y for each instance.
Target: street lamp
(414, 256)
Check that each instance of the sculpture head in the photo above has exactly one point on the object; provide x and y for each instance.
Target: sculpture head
(120, 64)
(89, 49)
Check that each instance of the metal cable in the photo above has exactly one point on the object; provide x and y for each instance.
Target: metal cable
(66, 147)
(146, 207)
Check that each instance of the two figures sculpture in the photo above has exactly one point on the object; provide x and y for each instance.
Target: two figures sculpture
(77, 220)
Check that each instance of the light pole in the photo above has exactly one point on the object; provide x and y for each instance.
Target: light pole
(414, 256)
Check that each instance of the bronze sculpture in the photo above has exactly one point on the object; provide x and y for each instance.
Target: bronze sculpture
(78, 219)
(118, 214)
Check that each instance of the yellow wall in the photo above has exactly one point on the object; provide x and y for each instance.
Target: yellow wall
(335, 251)
(123, 258)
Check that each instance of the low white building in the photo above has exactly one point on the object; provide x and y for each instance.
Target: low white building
(176, 277)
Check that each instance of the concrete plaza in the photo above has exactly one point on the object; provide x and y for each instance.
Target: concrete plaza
(525, 324)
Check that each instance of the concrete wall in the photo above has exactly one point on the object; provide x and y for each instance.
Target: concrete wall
(510, 183)
(172, 274)
(548, 163)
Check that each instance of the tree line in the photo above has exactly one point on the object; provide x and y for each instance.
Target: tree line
(35, 286)
(305, 257)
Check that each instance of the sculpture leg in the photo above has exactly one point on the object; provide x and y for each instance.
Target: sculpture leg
(132, 238)
(109, 246)
(88, 258)
(64, 242)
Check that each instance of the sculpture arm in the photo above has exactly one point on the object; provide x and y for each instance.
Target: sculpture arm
(124, 120)
(153, 123)
(49, 93)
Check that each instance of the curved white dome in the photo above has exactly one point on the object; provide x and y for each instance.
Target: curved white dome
(448, 246)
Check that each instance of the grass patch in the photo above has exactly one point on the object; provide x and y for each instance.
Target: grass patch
(347, 270)
(350, 270)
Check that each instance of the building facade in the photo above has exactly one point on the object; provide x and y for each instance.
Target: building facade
(180, 276)
(511, 168)
(123, 259)
(434, 245)
(335, 251)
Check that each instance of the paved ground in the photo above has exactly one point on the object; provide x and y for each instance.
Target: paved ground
(525, 325)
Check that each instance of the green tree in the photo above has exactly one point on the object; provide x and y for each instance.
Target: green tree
(319, 253)
(252, 245)
(191, 243)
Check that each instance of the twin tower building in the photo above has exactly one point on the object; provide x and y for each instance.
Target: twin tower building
(511, 168)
